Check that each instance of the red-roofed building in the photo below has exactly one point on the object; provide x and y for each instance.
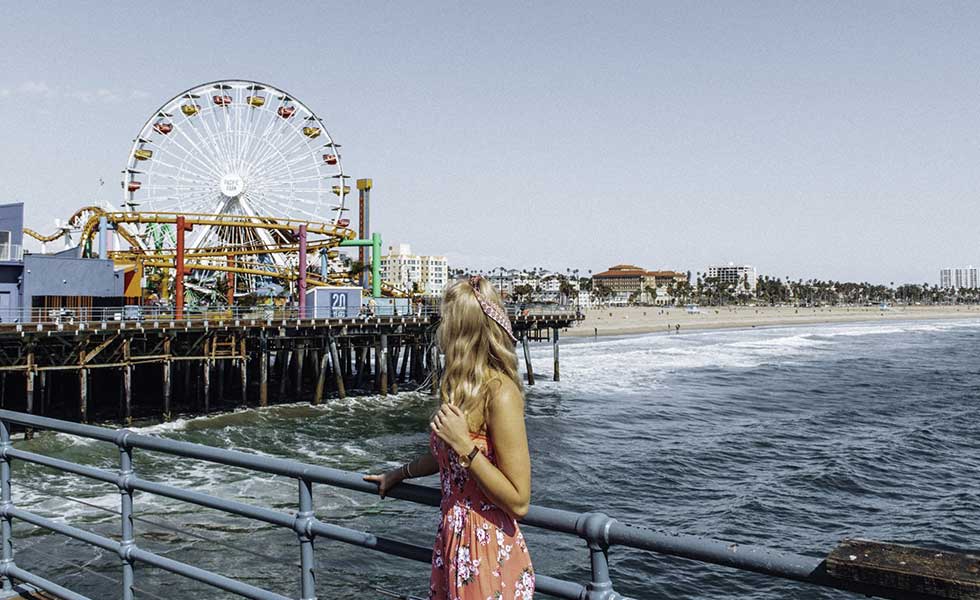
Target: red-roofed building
(628, 279)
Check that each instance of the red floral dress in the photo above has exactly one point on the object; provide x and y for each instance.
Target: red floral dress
(479, 553)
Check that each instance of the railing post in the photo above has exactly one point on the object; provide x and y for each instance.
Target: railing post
(128, 542)
(6, 527)
(594, 527)
(304, 522)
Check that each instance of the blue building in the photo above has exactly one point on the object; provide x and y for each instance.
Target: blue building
(34, 286)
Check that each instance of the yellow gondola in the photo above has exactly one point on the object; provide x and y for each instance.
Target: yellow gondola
(311, 132)
(333, 254)
(143, 154)
(336, 189)
(190, 109)
(256, 101)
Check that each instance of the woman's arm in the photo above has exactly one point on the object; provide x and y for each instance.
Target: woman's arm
(508, 484)
(421, 466)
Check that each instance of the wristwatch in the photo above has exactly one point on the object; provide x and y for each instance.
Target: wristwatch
(466, 461)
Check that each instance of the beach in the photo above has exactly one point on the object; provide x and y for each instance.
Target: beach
(650, 319)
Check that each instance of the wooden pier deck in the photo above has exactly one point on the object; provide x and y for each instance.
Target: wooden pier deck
(158, 367)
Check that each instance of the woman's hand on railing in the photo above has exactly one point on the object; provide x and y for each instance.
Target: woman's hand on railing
(386, 480)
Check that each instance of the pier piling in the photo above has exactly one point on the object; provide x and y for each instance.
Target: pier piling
(381, 355)
(321, 380)
(554, 346)
(527, 359)
(263, 371)
(83, 394)
(337, 371)
(166, 378)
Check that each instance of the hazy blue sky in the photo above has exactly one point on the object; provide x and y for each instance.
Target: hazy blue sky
(836, 140)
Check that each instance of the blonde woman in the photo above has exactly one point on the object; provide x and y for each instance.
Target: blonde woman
(478, 445)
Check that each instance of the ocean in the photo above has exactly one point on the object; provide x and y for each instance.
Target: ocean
(790, 437)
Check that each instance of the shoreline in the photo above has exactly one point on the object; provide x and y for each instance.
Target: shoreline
(635, 320)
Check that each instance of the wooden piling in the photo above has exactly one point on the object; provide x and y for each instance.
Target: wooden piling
(434, 369)
(166, 378)
(554, 347)
(381, 359)
(337, 371)
(264, 371)
(128, 380)
(29, 389)
(283, 356)
(298, 384)
(219, 392)
(83, 395)
(527, 359)
(392, 367)
(321, 380)
(243, 372)
(405, 350)
(206, 384)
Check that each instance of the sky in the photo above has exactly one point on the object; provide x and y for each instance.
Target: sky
(814, 139)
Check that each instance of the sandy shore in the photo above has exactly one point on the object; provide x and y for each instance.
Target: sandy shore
(629, 320)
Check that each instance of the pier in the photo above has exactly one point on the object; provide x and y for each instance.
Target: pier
(157, 366)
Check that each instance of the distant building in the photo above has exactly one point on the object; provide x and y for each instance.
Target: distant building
(426, 275)
(626, 280)
(955, 279)
(734, 274)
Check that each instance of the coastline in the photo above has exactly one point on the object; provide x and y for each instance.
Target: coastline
(639, 319)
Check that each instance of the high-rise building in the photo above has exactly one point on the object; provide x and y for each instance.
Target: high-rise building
(957, 278)
(734, 274)
(426, 275)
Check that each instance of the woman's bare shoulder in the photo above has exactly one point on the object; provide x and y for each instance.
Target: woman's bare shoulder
(506, 395)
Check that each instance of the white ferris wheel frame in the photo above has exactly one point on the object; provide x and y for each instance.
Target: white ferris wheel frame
(236, 158)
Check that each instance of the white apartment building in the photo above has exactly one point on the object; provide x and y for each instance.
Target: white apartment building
(731, 273)
(958, 278)
(427, 275)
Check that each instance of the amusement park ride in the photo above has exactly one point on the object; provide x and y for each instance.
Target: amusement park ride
(230, 188)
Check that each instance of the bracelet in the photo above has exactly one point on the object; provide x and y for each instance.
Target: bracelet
(407, 471)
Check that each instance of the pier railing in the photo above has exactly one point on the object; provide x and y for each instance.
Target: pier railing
(599, 532)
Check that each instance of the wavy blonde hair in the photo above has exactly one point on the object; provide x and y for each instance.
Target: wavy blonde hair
(478, 351)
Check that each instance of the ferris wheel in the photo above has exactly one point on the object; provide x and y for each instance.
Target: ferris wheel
(251, 165)
(237, 148)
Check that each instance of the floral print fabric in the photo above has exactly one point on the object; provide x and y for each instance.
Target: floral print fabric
(479, 553)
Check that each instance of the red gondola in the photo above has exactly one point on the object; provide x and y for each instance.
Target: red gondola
(286, 111)
(343, 222)
(222, 100)
(133, 186)
(163, 128)
(330, 159)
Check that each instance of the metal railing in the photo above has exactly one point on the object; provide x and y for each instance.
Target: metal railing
(598, 531)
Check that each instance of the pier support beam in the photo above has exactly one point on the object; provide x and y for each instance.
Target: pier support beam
(381, 356)
(243, 371)
(298, 389)
(83, 395)
(393, 368)
(434, 369)
(166, 379)
(321, 380)
(337, 371)
(554, 347)
(527, 359)
(128, 381)
(263, 371)
(220, 375)
(206, 384)
(406, 351)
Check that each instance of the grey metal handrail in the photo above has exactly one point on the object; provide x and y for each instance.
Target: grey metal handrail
(599, 531)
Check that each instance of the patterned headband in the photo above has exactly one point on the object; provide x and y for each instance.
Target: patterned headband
(491, 309)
